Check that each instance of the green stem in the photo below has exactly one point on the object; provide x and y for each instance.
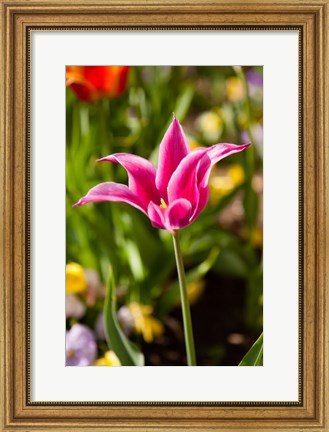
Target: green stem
(188, 331)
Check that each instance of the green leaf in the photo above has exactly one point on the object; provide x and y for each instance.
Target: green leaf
(254, 356)
(135, 261)
(128, 353)
(230, 263)
(251, 204)
(183, 102)
(138, 229)
(172, 296)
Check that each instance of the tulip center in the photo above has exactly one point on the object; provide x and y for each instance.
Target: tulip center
(163, 203)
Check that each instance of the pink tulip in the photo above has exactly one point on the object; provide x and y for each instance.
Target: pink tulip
(172, 195)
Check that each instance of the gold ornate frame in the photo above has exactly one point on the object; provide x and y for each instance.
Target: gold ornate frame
(17, 411)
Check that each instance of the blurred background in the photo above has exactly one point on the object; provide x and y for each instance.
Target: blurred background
(128, 109)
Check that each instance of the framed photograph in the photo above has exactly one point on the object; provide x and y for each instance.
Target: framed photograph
(164, 201)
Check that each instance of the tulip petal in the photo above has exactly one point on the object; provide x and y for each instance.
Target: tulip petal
(190, 180)
(173, 148)
(202, 202)
(213, 155)
(114, 192)
(183, 183)
(141, 174)
(156, 215)
(178, 213)
(176, 216)
(108, 80)
(75, 79)
(116, 80)
(91, 83)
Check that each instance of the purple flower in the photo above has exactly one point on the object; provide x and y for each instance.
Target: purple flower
(175, 193)
(245, 136)
(74, 308)
(254, 78)
(81, 348)
(100, 327)
(257, 134)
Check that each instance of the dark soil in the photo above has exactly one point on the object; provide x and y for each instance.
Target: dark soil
(220, 334)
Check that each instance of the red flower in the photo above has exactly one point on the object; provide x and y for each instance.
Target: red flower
(91, 83)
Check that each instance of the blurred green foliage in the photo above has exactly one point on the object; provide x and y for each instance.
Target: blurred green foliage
(213, 104)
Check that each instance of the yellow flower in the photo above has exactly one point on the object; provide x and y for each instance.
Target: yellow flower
(257, 237)
(109, 359)
(210, 124)
(145, 324)
(195, 290)
(210, 121)
(222, 184)
(236, 174)
(235, 90)
(75, 278)
(193, 143)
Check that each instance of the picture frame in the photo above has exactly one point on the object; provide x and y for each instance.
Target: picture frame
(18, 412)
